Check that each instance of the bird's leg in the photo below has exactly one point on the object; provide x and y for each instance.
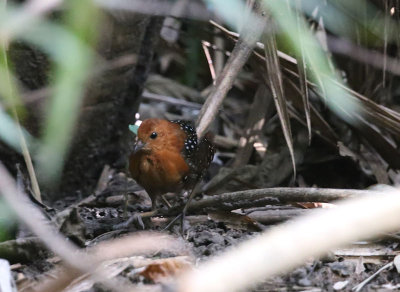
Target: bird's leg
(183, 213)
(191, 196)
(138, 217)
(166, 201)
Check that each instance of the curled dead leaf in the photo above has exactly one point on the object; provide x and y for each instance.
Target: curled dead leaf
(160, 270)
(234, 220)
(313, 205)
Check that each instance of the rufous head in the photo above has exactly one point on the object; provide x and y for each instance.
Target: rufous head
(158, 134)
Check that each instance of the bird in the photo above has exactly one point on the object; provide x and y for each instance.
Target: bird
(169, 157)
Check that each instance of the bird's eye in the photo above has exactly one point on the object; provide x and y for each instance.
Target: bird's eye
(153, 135)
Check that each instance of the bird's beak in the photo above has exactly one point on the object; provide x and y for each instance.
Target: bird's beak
(138, 146)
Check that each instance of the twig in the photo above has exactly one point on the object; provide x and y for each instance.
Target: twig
(170, 99)
(241, 52)
(275, 216)
(205, 46)
(358, 287)
(219, 54)
(251, 198)
(217, 48)
(289, 245)
(235, 36)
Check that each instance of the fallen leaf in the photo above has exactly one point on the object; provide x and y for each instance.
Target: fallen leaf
(312, 205)
(237, 221)
(161, 269)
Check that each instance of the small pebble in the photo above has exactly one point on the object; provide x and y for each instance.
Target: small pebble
(340, 285)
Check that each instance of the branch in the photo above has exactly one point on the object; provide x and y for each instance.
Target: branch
(243, 48)
(260, 197)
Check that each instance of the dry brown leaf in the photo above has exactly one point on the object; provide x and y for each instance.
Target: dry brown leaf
(161, 269)
(234, 220)
(312, 205)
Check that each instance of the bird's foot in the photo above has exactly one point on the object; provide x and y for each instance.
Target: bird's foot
(136, 219)
(181, 216)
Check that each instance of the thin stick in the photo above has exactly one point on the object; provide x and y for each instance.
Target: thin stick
(166, 201)
(205, 46)
(269, 196)
(170, 99)
(249, 198)
(241, 52)
(358, 287)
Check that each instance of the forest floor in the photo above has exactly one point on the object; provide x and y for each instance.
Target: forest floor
(97, 218)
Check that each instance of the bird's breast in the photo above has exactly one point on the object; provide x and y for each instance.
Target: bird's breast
(158, 172)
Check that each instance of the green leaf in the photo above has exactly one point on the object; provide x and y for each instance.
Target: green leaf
(133, 129)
